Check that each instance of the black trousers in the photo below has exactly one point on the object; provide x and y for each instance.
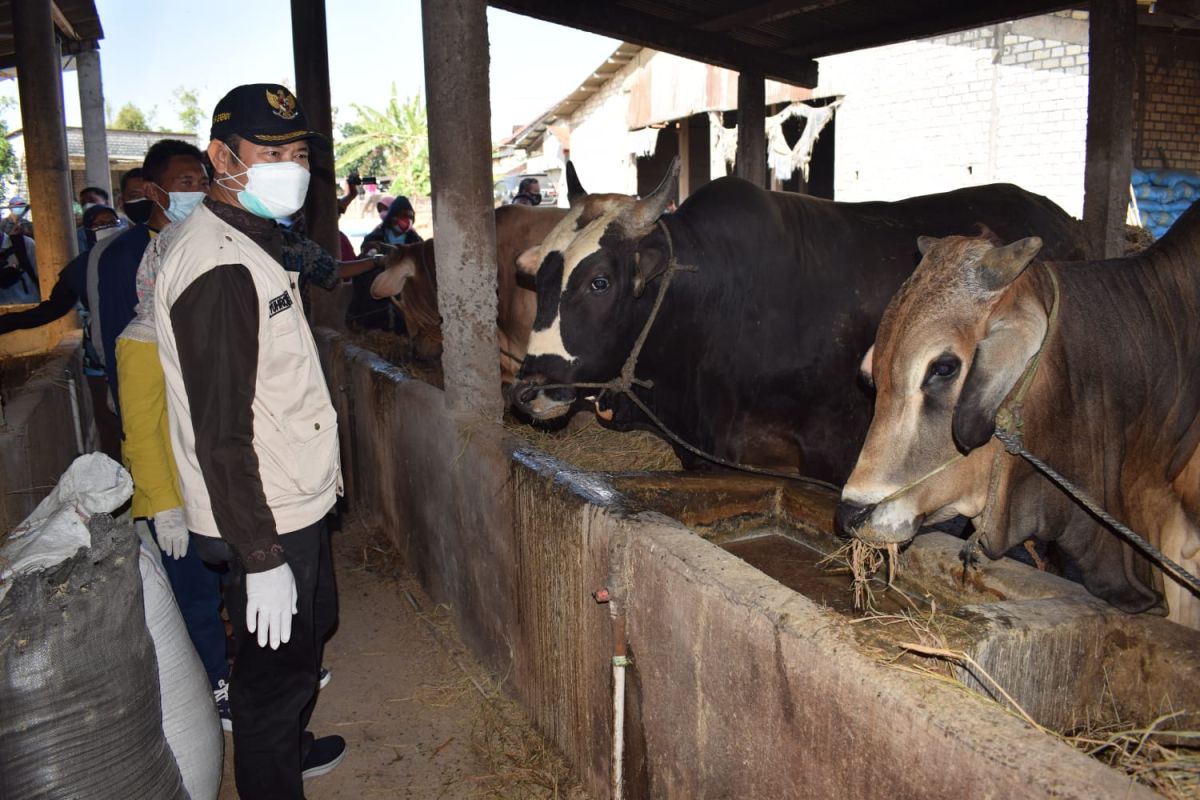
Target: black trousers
(272, 692)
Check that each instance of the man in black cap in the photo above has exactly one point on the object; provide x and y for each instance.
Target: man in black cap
(254, 432)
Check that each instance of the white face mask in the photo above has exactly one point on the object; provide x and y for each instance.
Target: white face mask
(105, 233)
(272, 190)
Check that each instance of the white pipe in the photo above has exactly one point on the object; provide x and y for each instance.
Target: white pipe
(618, 738)
(75, 413)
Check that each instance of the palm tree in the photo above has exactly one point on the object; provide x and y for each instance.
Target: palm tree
(398, 135)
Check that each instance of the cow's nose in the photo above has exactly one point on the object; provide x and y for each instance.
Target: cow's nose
(850, 517)
(523, 393)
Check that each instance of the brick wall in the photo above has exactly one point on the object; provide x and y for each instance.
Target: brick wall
(1167, 106)
(1003, 103)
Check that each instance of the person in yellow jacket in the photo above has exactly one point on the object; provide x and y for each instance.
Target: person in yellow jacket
(146, 451)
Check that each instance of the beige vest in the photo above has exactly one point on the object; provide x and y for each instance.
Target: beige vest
(295, 425)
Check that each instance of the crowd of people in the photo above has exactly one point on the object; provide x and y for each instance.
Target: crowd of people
(208, 386)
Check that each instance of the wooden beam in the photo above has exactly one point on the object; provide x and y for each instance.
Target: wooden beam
(906, 26)
(310, 55)
(752, 135)
(757, 14)
(638, 27)
(456, 78)
(1112, 66)
(39, 68)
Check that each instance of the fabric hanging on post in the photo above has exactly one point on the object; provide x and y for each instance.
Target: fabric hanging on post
(724, 139)
(643, 143)
(784, 160)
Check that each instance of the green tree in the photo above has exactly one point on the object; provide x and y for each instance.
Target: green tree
(396, 137)
(188, 103)
(131, 118)
(10, 168)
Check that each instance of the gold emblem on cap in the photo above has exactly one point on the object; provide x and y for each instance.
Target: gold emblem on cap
(283, 102)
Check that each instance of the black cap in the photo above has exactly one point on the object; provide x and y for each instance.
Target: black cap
(263, 113)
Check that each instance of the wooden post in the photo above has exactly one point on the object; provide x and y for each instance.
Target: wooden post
(456, 78)
(752, 134)
(685, 159)
(39, 84)
(310, 56)
(1112, 47)
(91, 110)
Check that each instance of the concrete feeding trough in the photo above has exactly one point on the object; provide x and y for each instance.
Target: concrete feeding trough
(739, 686)
(1067, 658)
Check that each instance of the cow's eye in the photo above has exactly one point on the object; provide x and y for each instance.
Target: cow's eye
(600, 284)
(941, 368)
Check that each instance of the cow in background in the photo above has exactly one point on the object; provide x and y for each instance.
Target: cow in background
(754, 355)
(411, 281)
(1114, 405)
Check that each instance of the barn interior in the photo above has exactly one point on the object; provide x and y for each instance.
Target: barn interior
(740, 653)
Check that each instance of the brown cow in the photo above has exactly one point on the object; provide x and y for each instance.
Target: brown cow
(411, 280)
(1113, 403)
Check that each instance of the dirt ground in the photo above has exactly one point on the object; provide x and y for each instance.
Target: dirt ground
(421, 718)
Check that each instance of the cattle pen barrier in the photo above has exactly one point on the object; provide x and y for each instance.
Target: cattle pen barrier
(736, 686)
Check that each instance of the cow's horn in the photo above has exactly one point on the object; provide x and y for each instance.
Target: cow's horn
(1000, 266)
(575, 190)
(651, 207)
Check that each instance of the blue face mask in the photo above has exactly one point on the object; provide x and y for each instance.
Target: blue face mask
(183, 204)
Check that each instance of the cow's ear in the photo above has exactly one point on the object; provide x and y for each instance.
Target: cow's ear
(926, 242)
(1000, 358)
(648, 264)
(1000, 266)
(391, 282)
(529, 262)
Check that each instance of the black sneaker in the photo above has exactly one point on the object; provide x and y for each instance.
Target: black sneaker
(221, 698)
(325, 754)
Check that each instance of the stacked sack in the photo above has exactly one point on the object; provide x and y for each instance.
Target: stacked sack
(1163, 196)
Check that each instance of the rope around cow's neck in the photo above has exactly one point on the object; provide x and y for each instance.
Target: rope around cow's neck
(626, 380)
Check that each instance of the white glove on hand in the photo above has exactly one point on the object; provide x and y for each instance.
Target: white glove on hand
(172, 532)
(270, 603)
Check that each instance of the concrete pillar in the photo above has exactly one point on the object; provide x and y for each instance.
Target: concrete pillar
(1112, 48)
(39, 83)
(91, 109)
(456, 78)
(752, 132)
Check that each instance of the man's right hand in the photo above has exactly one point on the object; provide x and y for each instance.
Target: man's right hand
(171, 532)
(270, 604)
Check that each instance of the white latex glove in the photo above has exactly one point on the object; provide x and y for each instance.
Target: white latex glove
(172, 532)
(270, 603)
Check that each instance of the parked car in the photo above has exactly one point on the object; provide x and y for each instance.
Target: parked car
(506, 188)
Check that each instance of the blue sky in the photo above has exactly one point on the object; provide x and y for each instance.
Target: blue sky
(150, 48)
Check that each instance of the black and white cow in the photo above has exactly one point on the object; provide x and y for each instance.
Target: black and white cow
(754, 355)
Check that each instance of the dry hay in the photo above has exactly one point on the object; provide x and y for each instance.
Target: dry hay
(593, 448)
(1167, 761)
(863, 561)
(398, 350)
(521, 764)
(1136, 239)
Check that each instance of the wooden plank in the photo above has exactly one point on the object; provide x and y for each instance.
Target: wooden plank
(845, 32)
(1112, 67)
(649, 31)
